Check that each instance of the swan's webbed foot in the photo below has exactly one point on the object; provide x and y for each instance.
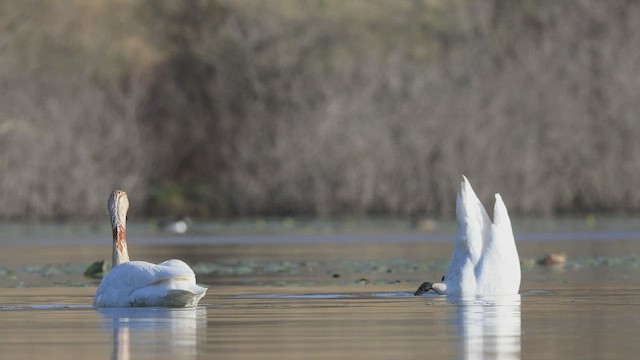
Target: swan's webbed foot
(426, 286)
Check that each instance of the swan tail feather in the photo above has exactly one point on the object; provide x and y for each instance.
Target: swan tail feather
(501, 215)
(473, 221)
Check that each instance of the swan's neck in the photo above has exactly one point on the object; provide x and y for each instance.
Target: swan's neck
(120, 252)
(118, 206)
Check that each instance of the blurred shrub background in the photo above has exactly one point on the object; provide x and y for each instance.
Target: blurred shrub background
(321, 108)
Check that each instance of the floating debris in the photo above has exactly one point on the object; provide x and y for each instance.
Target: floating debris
(553, 259)
(423, 224)
(528, 262)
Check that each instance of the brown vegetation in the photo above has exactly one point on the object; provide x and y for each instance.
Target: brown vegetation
(223, 108)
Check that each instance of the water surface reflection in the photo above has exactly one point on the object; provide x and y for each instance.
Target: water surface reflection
(489, 327)
(154, 332)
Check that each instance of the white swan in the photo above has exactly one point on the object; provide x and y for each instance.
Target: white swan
(139, 283)
(485, 259)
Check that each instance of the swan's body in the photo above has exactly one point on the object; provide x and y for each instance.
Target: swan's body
(139, 283)
(485, 259)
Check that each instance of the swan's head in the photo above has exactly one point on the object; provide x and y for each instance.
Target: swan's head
(440, 288)
(118, 206)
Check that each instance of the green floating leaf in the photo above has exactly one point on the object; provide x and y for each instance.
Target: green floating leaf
(49, 270)
(7, 273)
(247, 267)
(69, 283)
(242, 270)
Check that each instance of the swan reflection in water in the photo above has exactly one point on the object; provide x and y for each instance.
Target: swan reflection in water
(489, 326)
(167, 332)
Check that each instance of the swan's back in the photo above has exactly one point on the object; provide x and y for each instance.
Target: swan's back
(498, 272)
(140, 283)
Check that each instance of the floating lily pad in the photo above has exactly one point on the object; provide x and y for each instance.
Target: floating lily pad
(219, 269)
(7, 273)
(49, 270)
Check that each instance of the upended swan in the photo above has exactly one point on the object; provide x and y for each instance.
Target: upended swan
(139, 283)
(485, 259)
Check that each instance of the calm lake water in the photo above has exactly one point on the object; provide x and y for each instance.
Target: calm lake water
(324, 297)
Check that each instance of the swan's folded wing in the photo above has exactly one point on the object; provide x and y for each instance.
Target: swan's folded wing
(136, 274)
(170, 293)
(175, 266)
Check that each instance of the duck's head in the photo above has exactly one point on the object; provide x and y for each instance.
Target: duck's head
(118, 206)
(439, 288)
